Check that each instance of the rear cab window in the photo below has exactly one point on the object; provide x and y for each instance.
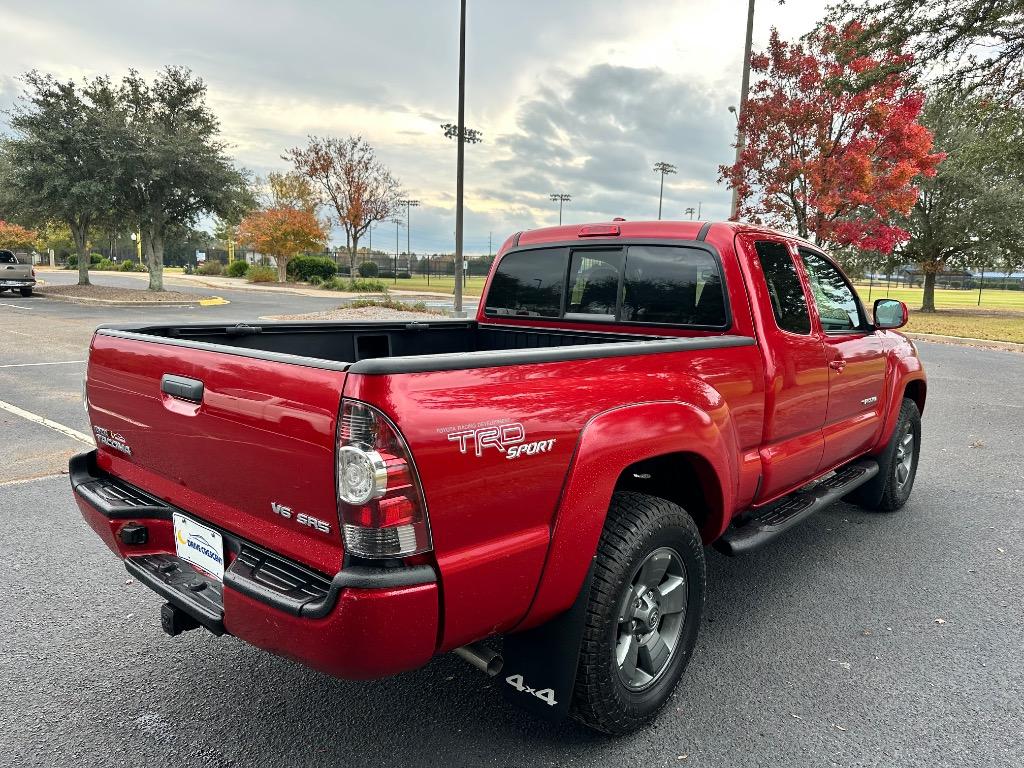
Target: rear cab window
(6, 257)
(643, 284)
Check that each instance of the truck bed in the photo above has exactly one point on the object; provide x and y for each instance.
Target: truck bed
(378, 348)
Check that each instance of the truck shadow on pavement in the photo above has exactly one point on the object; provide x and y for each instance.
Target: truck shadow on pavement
(446, 713)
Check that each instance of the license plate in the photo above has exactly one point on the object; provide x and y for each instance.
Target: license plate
(201, 546)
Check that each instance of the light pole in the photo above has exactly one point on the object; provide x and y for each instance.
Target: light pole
(409, 204)
(398, 223)
(690, 211)
(461, 135)
(560, 199)
(662, 168)
(744, 89)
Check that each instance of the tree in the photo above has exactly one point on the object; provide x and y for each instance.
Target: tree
(282, 233)
(292, 190)
(14, 237)
(833, 147)
(352, 180)
(57, 165)
(971, 213)
(170, 165)
(980, 42)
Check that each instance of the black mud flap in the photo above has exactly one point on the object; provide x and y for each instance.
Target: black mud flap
(539, 670)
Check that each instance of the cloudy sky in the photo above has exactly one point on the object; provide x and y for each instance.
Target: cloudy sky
(573, 96)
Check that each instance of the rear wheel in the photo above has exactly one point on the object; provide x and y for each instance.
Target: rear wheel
(890, 489)
(26, 292)
(645, 607)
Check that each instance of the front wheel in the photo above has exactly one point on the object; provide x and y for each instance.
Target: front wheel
(890, 489)
(644, 611)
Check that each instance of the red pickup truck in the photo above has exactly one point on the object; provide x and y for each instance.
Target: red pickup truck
(533, 489)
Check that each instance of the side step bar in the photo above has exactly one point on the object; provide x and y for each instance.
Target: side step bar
(762, 525)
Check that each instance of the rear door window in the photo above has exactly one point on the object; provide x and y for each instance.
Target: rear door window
(789, 304)
(529, 284)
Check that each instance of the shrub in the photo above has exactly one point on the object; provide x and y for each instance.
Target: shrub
(334, 284)
(127, 265)
(404, 276)
(96, 258)
(368, 269)
(237, 268)
(72, 262)
(401, 306)
(104, 264)
(212, 267)
(367, 286)
(386, 274)
(315, 280)
(261, 275)
(306, 267)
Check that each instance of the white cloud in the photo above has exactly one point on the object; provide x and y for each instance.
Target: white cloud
(578, 96)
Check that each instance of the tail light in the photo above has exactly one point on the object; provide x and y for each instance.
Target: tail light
(380, 501)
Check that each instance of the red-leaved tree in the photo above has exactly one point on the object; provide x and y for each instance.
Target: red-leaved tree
(833, 145)
(283, 233)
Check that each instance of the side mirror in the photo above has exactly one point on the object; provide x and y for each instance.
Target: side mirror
(890, 313)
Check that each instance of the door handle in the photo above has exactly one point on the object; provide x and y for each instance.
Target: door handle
(182, 387)
(837, 365)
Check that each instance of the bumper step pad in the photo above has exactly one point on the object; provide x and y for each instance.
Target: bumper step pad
(762, 525)
(198, 595)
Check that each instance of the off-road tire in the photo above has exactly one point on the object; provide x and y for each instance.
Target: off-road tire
(884, 492)
(26, 292)
(637, 525)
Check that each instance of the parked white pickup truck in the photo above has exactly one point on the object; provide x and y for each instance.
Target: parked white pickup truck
(15, 275)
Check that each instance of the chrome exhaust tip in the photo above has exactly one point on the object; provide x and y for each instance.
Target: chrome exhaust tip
(481, 657)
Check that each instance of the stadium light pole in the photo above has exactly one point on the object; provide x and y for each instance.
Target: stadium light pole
(409, 204)
(734, 213)
(690, 211)
(398, 224)
(662, 168)
(560, 199)
(462, 135)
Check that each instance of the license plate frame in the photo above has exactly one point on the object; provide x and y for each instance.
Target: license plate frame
(199, 545)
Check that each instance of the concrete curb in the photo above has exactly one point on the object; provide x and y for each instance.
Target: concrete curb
(212, 301)
(964, 341)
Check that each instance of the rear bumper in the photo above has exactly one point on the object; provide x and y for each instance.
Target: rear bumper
(17, 282)
(361, 623)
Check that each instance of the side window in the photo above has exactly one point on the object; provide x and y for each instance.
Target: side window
(837, 304)
(594, 284)
(787, 293)
(681, 286)
(529, 283)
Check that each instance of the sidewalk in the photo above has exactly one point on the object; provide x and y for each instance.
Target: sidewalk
(238, 284)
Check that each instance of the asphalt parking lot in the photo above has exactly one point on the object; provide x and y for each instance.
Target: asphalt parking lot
(857, 640)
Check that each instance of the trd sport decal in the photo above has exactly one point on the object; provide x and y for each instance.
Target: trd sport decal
(509, 439)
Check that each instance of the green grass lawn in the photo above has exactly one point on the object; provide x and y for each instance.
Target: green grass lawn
(945, 298)
(474, 285)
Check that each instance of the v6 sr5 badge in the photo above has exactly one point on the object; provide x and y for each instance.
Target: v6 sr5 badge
(509, 439)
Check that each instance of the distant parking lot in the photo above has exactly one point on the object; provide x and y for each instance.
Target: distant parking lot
(859, 639)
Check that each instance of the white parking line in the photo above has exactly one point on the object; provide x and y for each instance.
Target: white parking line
(16, 306)
(36, 418)
(30, 365)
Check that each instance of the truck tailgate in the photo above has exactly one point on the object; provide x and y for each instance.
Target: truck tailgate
(260, 438)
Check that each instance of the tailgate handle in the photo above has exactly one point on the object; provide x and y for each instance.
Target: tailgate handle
(182, 387)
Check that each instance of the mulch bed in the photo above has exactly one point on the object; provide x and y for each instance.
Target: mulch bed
(111, 293)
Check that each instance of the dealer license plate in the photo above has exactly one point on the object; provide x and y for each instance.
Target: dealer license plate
(201, 546)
